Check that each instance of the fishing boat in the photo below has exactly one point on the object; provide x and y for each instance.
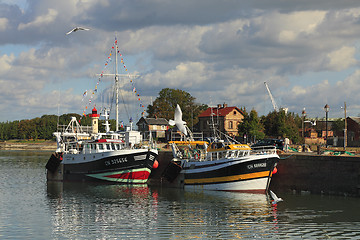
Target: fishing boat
(84, 154)
(219, 164)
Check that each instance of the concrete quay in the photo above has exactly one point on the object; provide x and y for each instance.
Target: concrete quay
(299, 172)
(318, 174)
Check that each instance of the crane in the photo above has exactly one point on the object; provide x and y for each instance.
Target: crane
(271, 97)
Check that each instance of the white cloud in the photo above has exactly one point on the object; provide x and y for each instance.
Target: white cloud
(291, 26)
(6, 62)
(184, 75)
(4, 22)
(40, 21)
(342, 58)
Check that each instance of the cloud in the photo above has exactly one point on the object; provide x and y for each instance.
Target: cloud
(225, 50)
(4, 22)
(40, 21)
(342, 58)
(184, 75)
(6, 63)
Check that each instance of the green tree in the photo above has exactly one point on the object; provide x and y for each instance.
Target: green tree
(338, 127)
(165, 104)
(251, 126)
(281, 124)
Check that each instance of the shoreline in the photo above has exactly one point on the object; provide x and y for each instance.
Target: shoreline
(42, 146)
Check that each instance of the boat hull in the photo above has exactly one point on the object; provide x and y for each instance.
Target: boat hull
(249, 174)
(124, 167)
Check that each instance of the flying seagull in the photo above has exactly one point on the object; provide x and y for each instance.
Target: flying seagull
(76, 29)
(275, 198)
(178, 120)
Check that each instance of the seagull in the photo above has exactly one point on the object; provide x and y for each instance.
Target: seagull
(178, 120)
(275, 198)
(76, 29)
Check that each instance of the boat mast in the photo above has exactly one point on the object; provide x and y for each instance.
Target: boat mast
(117, 75)
(117, 88)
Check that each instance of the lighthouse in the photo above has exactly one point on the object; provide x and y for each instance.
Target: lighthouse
(94, 121)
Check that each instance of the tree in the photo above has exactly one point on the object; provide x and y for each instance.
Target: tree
(281, 124)
(165, 104)
(251, 126)
(338, 127)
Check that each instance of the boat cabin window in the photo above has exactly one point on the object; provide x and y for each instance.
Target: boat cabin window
(113, 146)
(118, 146)
(101, 147)
(108, 147)
(217, 145)
(200, 146)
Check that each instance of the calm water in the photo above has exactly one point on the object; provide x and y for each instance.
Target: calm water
(31, 208)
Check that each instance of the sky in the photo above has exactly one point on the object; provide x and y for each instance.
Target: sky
(307, 52)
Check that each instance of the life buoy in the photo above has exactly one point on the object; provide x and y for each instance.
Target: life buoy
(197, 156)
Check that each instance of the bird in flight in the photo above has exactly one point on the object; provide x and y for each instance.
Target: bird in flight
(181, 125)
(76, 29)
(275, 198)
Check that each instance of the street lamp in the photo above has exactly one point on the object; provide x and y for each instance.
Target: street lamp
(326, 109)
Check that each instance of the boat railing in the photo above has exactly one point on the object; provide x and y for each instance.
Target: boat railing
(198, 155)
(261, 150)
(227, 154)
(82, 129)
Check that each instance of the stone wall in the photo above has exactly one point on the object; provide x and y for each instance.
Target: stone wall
(335, 175)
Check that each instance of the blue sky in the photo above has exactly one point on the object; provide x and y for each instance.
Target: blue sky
(307, 52)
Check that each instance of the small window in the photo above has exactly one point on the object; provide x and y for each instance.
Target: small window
(234, 112)
(230, 125)
(108, 147)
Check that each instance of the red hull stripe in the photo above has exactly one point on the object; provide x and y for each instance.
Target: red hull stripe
(131, 175)
(139, 175)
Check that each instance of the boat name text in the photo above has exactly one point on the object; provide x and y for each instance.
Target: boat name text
(256, 165)
(115, 161)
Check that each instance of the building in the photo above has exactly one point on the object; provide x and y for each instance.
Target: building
(353, 131)
(222, 117)
(157, 126)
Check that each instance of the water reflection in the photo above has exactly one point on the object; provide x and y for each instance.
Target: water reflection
(118, 211)
(134, 211)
(31, 208)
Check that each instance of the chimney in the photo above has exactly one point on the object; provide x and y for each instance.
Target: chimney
(225, 105)
(219, 106)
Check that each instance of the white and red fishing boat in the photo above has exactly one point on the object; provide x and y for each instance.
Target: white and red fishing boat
(84, 154)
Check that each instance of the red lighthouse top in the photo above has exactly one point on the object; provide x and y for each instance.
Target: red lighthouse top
(94, 113)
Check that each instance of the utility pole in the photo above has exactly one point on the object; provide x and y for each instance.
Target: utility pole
(345, 130)
(303, 113)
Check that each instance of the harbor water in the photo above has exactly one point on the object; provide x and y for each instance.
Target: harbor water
(32, 208)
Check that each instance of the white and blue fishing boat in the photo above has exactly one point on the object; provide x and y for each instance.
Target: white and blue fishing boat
(218, 164)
